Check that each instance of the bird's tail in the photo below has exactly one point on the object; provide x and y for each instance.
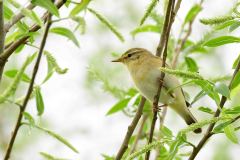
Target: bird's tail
(190, 119)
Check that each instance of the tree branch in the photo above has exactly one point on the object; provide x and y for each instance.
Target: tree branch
(16, 18)
(144, 118)
(30, 89)
(2, 33)
(208, 133)
(13, 46)
(162, 46)
(130, 130)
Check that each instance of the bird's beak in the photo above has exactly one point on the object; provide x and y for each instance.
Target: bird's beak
(118, 60)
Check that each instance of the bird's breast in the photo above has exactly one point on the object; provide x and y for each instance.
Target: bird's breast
(147, 82)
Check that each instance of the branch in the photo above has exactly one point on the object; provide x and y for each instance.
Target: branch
(208, 133)
(164, 40)
(13, 46)
(29, 92)
(2, 33)
(183, 41)
(130, 130)
(16, 18)
(144, 118)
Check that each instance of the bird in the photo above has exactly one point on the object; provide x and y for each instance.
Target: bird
(144, 68)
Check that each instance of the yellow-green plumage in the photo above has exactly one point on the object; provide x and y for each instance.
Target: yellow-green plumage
(144, 69)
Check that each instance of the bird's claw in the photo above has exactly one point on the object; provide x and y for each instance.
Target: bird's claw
(157, 108)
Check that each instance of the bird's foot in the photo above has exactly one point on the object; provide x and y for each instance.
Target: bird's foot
(157, 108)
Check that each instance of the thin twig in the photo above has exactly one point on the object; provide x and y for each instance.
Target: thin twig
(208, 133)
(139, 133)
(183, 41)
(11, 48)
(2, 33)
(167, 24)
(16, 18)
(130, 130)
(29, 92)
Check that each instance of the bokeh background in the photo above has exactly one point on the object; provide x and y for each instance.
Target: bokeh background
(75, 103)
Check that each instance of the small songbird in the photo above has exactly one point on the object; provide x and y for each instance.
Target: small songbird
(144, 68)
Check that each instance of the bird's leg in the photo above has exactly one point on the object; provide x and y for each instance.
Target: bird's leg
(157, 108)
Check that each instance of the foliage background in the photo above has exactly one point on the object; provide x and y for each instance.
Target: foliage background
(75, 103)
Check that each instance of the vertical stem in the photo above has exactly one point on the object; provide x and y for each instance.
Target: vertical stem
(30, 89)
(130, 130)
(2, 33)
(161, 47)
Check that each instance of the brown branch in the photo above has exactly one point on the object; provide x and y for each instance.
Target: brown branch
(144, 118)
(29, 92)
(208, 133)
(16, 18)
(11, 48)
(130, 130)
(2, 33)
(183, 41)
(167, 24)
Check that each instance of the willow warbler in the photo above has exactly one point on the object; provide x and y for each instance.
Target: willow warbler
(144, 68)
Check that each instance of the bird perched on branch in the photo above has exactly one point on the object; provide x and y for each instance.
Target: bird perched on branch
(144, 68)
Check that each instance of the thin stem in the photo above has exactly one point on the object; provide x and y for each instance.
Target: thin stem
(2, 33)
(208, 133)
(164, 40)
(30, 89)
(139, 133)
(130, 130)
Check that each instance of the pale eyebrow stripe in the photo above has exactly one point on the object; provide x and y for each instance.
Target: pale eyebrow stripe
(134, 51)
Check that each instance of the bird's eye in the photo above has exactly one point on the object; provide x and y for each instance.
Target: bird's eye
(129, 55)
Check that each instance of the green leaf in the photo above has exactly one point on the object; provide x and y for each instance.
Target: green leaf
(79, 7)
(151, 6)
(175, 146)
(222, 89)
(119, 106)
(224, 25)
(66, 33)
(236, 81)
(39, 101)
(209, 90)
(192, 13)
(221, 41)
(191, 64)
(206, 110)
(47, 156)
(30, 119)
(234, 26)
(12, 73)
(8, 13)
(166, 132)
(107, 23)
(234, 66)
(56, 136)
(47, 4)
(198, 96)
(32, 15)
(146, 28)
(221, 126)
(233, 110)
(230, 133)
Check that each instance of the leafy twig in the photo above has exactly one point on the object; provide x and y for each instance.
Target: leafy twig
(164, 40)
(30, 89)
(14, 45)
(208, 133)
(130, 130)
(16, 18)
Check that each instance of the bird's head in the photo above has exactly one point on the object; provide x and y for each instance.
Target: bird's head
(134, 56)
